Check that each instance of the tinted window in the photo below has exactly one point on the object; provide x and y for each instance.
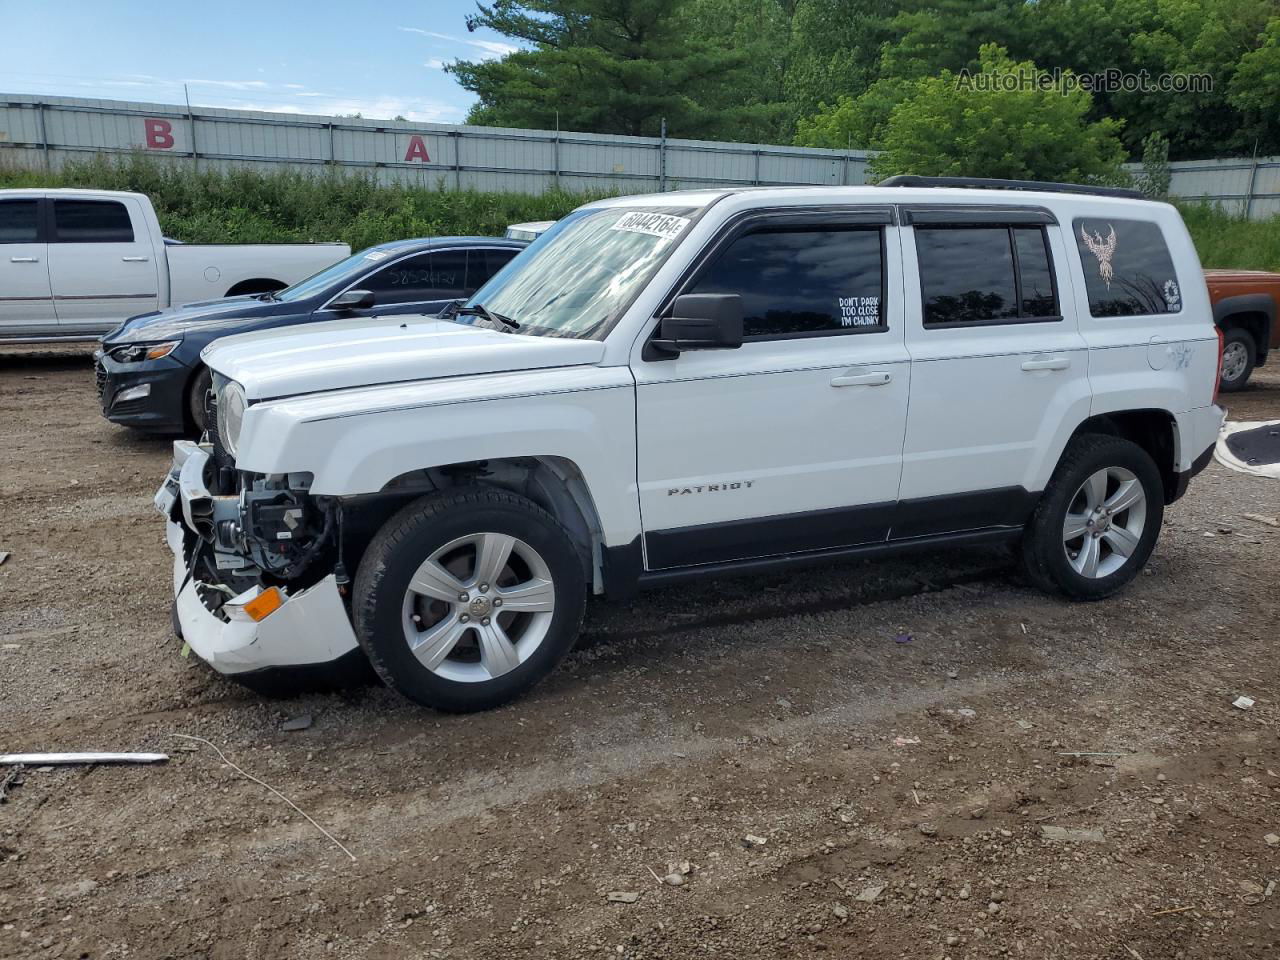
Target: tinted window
(18, 221)
(483, 263)
(1036, 276)
(803, 280)
(970, 274)
(1127, 268)
(427, 276)
(91, 221)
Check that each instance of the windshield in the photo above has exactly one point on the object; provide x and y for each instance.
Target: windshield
(342, 270)
(574, 279)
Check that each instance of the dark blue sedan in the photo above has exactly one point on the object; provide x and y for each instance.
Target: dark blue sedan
(148, 369)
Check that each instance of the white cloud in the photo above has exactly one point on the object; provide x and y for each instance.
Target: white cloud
(371, 108)
(489, 49)
(231, 84)
(434, 64)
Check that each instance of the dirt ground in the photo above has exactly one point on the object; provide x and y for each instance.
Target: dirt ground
(834, 791)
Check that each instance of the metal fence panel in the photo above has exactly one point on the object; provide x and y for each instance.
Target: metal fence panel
(36, 131)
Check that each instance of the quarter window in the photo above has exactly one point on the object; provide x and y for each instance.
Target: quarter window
(19, 221)
(986, 274)
(91, 221)
(797, 281)
(1127, 268)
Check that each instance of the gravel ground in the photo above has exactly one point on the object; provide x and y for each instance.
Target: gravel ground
(819, 787)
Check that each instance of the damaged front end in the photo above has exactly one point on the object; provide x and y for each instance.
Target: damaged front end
(257, 574)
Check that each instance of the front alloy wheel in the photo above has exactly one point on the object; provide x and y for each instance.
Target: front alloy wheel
(468, 597)
(479, 607)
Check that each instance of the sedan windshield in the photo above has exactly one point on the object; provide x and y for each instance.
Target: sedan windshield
(574, 280)
(342, 270)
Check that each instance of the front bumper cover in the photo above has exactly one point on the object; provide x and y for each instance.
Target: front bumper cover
(163, 409)
(310, 627)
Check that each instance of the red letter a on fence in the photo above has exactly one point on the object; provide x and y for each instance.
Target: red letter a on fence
(159, 133)
(417, 151)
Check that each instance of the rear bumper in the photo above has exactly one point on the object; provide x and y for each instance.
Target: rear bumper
(310, 627)
(1198, 431)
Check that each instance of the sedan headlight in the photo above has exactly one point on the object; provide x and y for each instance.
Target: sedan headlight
(231, 405)
(137, 352)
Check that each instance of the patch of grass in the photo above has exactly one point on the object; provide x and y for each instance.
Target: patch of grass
(1224, 240)
(248, 206)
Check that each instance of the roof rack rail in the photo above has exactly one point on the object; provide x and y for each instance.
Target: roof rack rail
(912, 180)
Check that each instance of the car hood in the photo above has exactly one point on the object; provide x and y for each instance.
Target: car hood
(172, 323)
(340, 354)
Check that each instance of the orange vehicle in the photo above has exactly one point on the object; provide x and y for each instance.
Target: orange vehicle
(1244, 307)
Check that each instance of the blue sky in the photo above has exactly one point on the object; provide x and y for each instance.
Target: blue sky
(377, 59)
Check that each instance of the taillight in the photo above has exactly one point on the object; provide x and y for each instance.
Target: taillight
(1217, 377)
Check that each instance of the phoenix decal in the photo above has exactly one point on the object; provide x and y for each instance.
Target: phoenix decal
(1103, 250)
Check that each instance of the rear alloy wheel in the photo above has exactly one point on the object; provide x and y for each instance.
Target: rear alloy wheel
(467, 598)
(1098, 520)
(1239, 353)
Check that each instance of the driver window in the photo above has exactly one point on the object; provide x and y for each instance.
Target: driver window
(424, 277)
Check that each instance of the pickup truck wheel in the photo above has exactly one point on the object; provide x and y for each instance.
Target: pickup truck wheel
(466, 599)
(1239, 353)
(201, 384)
(1098, 520)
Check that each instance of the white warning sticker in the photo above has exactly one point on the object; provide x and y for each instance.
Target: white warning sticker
(661, 225)
(859, 311)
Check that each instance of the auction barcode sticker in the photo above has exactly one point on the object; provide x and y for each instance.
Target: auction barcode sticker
(661, 225)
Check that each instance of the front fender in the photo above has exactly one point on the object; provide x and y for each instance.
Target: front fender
(356, 441)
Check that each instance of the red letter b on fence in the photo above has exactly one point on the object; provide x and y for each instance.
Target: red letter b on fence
(159, 134)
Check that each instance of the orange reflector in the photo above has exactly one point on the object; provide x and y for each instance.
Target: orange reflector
(265, 604)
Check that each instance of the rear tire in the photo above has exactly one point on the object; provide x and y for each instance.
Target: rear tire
(467, 598)
(1239, 354)
(1098, 520)
(197, 393)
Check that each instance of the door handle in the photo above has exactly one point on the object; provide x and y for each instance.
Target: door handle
(1052, 363)
(877, 379)
(135, 259)
(24, 259)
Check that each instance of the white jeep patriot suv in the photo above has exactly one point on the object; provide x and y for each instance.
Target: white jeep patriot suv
(696, 383)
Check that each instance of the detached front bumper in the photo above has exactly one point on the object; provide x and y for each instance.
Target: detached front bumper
(310, 627)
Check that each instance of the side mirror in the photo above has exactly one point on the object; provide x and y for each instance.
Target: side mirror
(352, 300)
(701, 321)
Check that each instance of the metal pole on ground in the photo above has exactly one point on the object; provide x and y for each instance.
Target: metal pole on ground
(44, 137)
(191, 122)
(662, 158)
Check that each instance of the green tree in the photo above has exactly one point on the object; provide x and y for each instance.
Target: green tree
(1156, 176)
(976, 125)
(609, 66)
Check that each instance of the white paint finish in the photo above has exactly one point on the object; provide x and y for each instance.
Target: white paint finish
(95, 286)
(340, 354)
(779, 415)
(311, 627)
(25, 294)
(989, 404)
(359, 440)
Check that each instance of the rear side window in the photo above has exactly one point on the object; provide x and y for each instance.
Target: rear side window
(91, 221)
(1127, 268)
(19, 221)
(798, 281)
(985, 274)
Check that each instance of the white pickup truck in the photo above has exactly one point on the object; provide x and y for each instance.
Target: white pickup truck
(75, 263)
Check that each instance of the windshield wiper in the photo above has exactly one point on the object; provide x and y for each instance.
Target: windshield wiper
(479, 310)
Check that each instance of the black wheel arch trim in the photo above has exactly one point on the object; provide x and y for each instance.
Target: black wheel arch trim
(1260, 303)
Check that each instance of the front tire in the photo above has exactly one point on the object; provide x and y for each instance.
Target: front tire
(1239, 354)
(1098, 520)
(465, 599)
(197, 394)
